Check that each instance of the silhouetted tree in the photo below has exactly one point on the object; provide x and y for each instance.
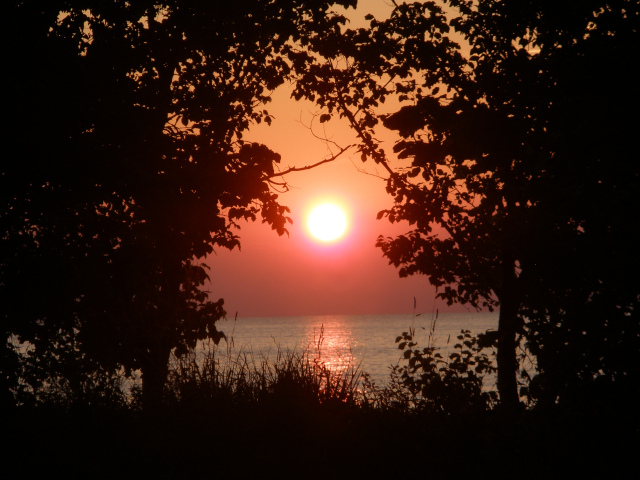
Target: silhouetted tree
(517, 168)
(129, 164)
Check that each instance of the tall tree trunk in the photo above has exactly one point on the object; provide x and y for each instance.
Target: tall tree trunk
(507, 324)
(154, 377)
(162, 337)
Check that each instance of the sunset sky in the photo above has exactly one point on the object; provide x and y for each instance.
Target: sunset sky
(278, 276)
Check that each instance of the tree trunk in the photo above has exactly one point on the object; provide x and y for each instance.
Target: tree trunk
(154, 377)
(507, 324)
(162, 337)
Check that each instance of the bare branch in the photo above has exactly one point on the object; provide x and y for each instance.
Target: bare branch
(309, 167)
(364, 172)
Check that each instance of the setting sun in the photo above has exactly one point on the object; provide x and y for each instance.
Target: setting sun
(327, 222)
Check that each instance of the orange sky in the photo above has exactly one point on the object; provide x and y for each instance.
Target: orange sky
(277, 276)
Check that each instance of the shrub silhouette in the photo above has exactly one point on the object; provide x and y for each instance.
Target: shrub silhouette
(450, 383)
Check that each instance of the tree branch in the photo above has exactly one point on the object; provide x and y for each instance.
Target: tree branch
(309, 167)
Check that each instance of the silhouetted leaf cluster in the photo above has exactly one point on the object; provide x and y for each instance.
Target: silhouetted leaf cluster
(515, 167)
(130, 165)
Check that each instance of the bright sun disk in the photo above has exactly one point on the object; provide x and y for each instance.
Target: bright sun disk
(327, 222)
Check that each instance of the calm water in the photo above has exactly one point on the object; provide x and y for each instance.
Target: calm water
(364, 340)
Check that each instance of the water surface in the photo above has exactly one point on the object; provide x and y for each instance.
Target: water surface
(367, 341)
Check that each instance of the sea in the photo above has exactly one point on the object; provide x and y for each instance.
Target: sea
(366, 343)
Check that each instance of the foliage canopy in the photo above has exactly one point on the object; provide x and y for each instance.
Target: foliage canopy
(521, 169)
(129, 119)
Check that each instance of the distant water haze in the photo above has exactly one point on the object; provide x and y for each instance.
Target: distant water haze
(367, 341)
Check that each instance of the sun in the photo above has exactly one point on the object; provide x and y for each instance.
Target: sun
(327, 222)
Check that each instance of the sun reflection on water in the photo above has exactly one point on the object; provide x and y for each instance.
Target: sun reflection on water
(333, 344)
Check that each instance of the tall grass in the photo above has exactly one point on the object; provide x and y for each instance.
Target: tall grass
(242, 377)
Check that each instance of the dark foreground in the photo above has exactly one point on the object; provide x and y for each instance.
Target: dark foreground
(321, 441)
